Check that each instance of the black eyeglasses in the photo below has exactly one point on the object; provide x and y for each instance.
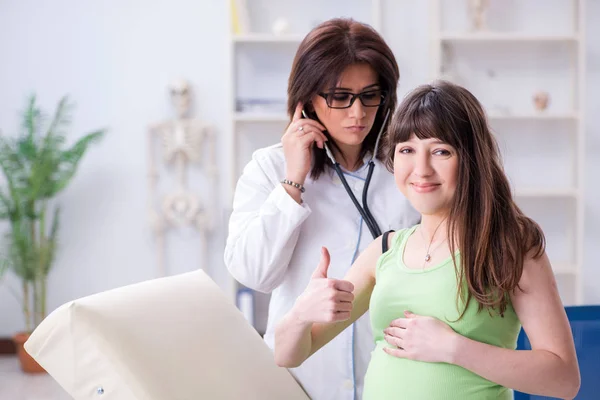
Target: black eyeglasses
(369, 98)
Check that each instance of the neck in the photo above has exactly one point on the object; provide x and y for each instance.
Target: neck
(434, 225)
(348, 157)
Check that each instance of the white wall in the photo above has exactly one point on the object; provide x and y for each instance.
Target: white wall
(115, 59)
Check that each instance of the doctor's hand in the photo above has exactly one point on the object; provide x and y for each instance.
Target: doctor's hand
(420, 338)
(297, 144)
(325, 299)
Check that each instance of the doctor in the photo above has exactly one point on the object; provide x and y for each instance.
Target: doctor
(310, 191)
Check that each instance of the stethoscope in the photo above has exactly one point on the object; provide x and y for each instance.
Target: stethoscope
(364, 211)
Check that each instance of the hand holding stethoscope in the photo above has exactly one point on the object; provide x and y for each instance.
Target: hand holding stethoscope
(297, 143)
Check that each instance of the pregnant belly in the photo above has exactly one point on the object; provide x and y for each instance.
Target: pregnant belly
(390, 378)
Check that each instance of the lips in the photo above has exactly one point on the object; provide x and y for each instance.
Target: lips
(425, 187)
(356, 128)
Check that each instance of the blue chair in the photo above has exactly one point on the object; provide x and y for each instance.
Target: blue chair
(585, 324)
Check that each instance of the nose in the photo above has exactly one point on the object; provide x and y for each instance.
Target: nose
(423, 167)
(357, 110)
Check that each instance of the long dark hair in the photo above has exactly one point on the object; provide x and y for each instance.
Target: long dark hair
(320, 60)
(490, 230)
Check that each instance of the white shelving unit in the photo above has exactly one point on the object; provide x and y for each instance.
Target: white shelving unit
(534, 116)
(504, 37)
(566, 119)
(267, 38)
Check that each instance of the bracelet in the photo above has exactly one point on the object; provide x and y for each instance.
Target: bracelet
(294, 184)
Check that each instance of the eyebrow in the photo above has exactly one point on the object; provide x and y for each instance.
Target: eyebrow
(349, 90)
(437, 141)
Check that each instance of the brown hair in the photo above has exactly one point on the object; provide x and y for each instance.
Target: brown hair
(490, 230)
(322, 57)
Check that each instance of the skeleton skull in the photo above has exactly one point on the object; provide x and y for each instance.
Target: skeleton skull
(181, 96)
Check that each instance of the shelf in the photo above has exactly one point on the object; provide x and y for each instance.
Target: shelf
(505, 37)
(533, 116)
(260, 117)
(267, 38)
(275, 117)
(533, 193)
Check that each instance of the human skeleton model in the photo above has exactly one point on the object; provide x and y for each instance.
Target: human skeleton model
(182, 142)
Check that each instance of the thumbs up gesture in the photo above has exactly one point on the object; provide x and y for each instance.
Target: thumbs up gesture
(325, 299)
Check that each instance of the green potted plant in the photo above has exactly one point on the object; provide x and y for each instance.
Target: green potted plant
(37, 165)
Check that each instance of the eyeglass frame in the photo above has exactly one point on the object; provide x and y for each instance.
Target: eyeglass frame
(354, 96)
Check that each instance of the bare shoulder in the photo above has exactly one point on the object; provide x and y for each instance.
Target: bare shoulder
(376, 246)
(537, 284)
(536, 270)
(366, 262)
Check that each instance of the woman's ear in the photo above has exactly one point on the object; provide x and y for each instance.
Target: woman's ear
(310, 110)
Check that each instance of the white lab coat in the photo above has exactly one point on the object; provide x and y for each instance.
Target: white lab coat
(274, 246)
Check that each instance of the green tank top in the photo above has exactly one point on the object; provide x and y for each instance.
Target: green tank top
(429, 292)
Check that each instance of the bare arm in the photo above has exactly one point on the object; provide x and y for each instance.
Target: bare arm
(550, 368)
(319, 315)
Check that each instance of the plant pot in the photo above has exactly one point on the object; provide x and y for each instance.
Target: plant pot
(28, 364)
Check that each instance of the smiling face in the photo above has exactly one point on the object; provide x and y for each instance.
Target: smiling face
(426, 172)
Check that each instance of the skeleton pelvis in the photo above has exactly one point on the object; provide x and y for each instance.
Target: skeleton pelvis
(181, 208)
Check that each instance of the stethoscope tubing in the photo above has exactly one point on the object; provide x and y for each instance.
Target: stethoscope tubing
(363, 210)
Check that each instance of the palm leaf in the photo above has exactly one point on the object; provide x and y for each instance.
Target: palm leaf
(48, 250)
(26, 146)
(47, 150)
(69, 162)
(32, 120)
(10, 162)
(13, 201)
(60, 121)
(3, 266)
(5, 206)
(22, 254)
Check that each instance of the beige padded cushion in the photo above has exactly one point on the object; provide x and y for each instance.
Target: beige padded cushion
(174, 338)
